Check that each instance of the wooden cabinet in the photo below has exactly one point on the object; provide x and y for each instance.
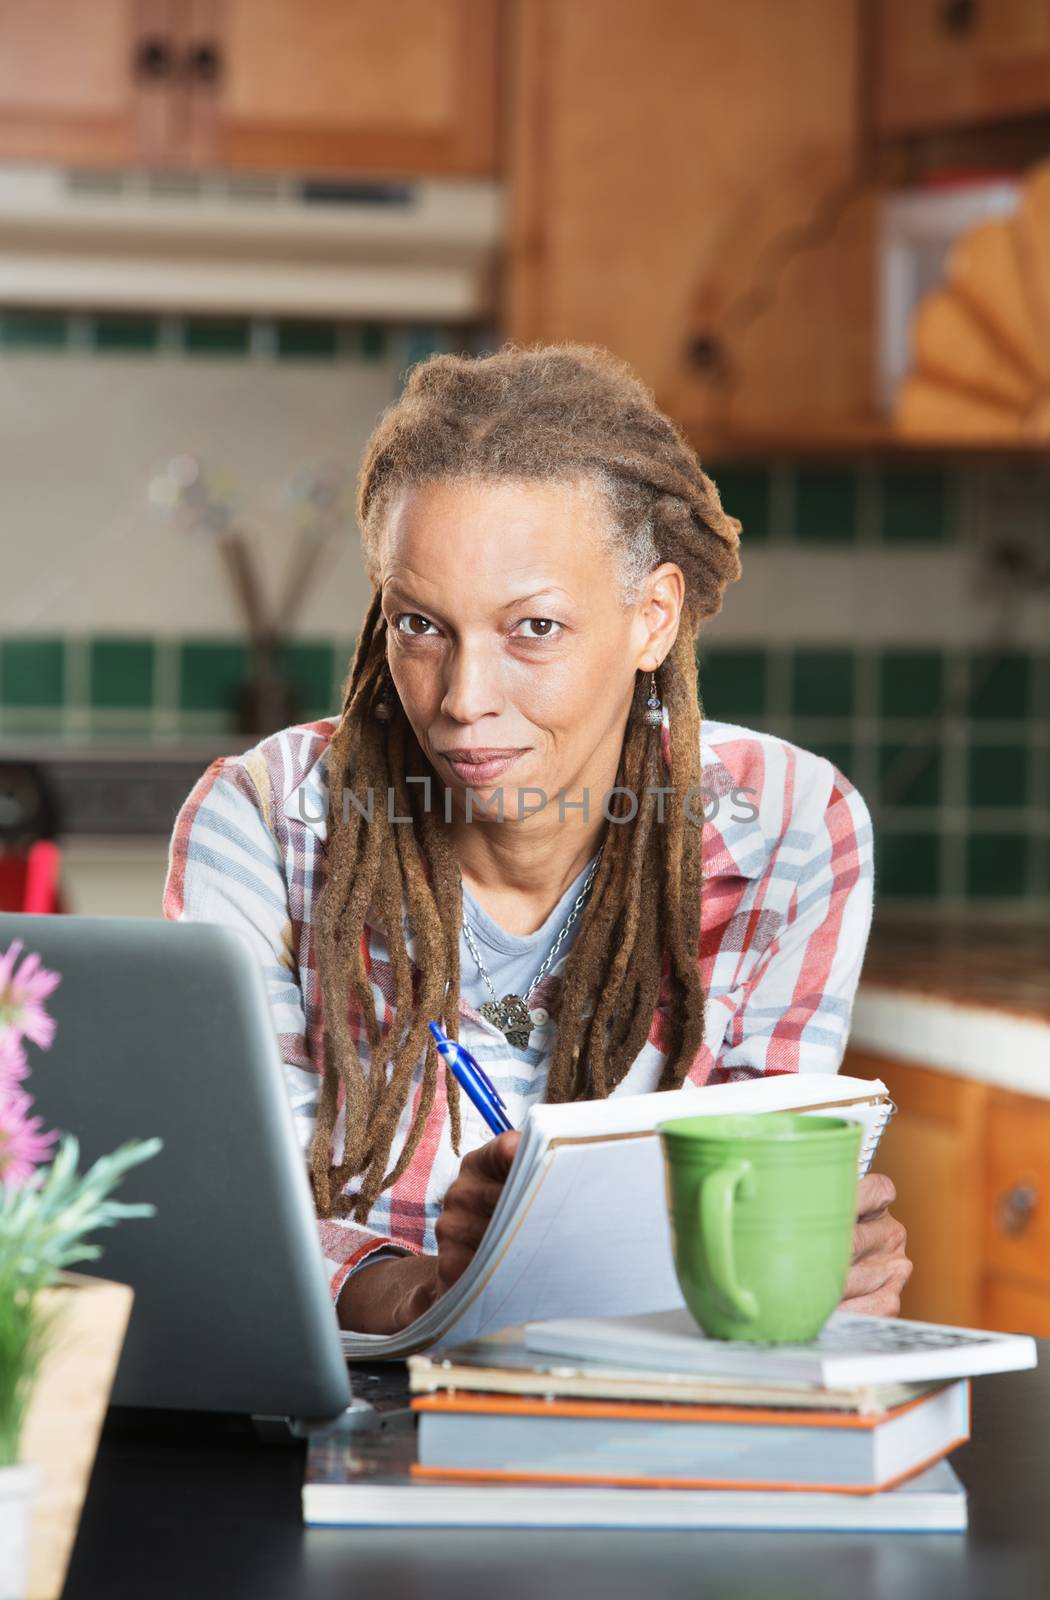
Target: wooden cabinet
(971, 1165)
(379, 85)
(951, 63)
(87, 81)
(685, 190)
(363, 86)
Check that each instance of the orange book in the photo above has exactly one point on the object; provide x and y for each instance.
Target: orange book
(525, 1439)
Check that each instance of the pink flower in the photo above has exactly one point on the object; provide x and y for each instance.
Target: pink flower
(23, 1141)
(22, 994)
(13, 1063)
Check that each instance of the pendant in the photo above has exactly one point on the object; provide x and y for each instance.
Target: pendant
(511, 1017)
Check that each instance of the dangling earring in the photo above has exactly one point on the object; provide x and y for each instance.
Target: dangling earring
(654, 710)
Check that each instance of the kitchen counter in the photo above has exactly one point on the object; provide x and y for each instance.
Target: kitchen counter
(967, 1000)
(120, 791)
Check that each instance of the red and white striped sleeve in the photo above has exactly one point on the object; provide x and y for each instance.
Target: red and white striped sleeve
(798, 1002)
(225, 866)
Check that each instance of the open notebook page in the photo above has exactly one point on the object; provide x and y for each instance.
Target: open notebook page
(581, 1227)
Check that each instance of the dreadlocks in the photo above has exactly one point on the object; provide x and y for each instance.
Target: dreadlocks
(564, 412)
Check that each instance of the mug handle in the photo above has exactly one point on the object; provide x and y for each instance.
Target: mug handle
(717, 1194)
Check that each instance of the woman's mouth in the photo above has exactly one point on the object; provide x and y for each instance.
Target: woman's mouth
(480, 766)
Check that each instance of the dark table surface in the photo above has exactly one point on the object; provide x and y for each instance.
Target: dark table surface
(196, 1508)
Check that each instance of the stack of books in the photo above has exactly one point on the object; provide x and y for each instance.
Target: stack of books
(643, 1422)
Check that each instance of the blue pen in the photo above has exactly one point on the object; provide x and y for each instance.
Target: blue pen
(473, 1081)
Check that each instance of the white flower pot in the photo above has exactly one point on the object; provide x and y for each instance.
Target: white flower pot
(17, 1486)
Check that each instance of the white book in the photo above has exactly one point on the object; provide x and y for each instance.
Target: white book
(364, 1480)
(849, 1350)
(581, 1228)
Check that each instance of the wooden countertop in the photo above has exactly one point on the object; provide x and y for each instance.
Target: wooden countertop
(973, 1002)
(1006, 968)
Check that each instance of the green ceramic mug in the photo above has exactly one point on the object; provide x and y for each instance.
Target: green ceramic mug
(762, 1214)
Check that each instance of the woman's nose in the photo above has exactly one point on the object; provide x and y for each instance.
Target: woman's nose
(471, 687)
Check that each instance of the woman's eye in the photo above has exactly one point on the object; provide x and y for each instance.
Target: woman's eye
(539, 627)
(414, 624)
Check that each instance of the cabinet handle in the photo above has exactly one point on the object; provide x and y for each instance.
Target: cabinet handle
(154, 59)
(204, 62)
(957, 17)
(1017, 1207)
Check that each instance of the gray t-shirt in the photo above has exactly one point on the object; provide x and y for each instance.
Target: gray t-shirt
(513, 960)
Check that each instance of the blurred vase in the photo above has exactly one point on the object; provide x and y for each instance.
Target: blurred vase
(65, 1416)
(18, 1486)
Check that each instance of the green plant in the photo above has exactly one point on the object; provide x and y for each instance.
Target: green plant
(42, 1231)
(46, 1212)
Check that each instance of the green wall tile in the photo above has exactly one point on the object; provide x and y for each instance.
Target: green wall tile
(121, 673)
(120, 335)
(840, 752)
(914, 507)
(822, 683)
(998, 775)
(421, 342)
(1007, 689)
(744, 492)
(825, 505)
(922, 789)
(907, 863)
(309, 668)
(32, 672)
(996, 864)
(733, 683)
(307, 340)
(216, 336)
(33, 330)
(373, 341)
(210, 673)
(911, 682)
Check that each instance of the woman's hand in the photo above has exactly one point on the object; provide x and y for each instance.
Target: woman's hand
(469, 1203)
(388, 1295)
(880, 1268)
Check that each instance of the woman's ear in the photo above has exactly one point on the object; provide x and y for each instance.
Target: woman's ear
(659, 614)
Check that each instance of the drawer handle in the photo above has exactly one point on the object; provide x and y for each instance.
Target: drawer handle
(1016, 1208)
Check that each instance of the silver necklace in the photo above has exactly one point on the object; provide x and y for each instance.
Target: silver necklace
(510, 1012)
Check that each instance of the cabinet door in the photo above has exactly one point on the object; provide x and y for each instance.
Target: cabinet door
(666, 159)
(933, 1151)
(384, 86)
(945, 63)
(87, 82)
(1017, 1214)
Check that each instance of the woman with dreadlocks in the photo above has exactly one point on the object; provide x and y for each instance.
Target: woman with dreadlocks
(521, 824)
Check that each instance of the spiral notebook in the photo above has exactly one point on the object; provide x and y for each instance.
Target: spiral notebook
(581, 1227)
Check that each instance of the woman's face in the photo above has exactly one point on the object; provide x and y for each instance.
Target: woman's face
(508, 642)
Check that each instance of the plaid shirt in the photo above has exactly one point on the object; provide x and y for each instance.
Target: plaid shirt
(785, 911)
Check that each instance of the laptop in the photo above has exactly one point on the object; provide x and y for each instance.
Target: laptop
(165, 1028)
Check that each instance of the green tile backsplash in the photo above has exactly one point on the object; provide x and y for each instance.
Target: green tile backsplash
(312, 340)
(217, 336)
(1005, 690)
(961, 808)
(121, 673)
(32, 672)
(826, 505)
(914, 507)
(965, 815)
(822, 683)
(745, 493)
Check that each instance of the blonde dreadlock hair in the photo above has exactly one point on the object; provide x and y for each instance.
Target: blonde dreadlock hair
(565, 412)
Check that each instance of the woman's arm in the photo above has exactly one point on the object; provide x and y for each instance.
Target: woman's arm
(797, 1009)
(798, 1000)
(225, 866)
(386, 1296)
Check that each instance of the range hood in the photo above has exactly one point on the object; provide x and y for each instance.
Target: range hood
(167, 241)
